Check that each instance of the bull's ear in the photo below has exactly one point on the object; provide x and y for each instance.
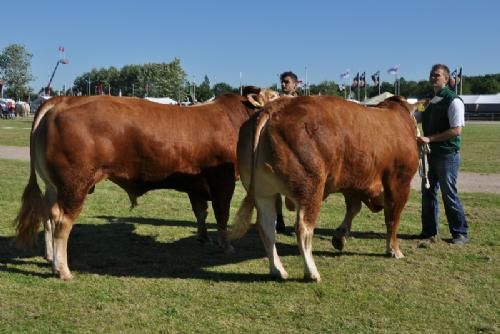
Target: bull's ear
(255, 100)
(422, 104)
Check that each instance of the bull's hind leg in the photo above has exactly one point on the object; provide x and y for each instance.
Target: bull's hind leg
(61, 228)
(63, 213)
(200, 209)
(304, 228)
(340, 235)
(266, 226)
(395, 200)
(50, 200)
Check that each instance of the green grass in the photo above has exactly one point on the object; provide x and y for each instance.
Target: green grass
(143, 271)
(15, 132)
(480, 144)
(481, 147)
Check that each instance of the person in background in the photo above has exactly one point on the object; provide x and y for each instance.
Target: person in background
(289, 84)
(442, 123)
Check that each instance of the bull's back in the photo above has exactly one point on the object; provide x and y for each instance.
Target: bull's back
(138, 139)
(349, 144)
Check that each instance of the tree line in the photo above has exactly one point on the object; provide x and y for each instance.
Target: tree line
(170, 80)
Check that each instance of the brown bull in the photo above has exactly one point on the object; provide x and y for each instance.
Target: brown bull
(77, 142)
(308, 147)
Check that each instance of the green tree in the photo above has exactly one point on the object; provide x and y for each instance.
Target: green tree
(162, 80)
(203, 91)
(15, 71)
(484, 84)
(325, 88)
(223, 88)
(129, 79)
(155, 80)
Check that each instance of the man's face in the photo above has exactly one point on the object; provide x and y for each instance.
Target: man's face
(438, 79)
(288, 85)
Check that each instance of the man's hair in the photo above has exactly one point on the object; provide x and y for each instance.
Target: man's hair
(289, 74)
(440, 67)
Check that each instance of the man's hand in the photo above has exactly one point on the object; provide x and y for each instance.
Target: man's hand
(423, 140)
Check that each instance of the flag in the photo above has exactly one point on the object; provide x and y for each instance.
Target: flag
(61, 48)
(362, 80)
(355, 81)
(393, 70)
(453, 79)
(376, 78)
(345, 75)
(459, 76)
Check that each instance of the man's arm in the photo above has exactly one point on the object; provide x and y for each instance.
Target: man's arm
(441, 136)
(456, 113)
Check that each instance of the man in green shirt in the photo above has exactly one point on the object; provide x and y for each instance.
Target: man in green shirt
(442, 123)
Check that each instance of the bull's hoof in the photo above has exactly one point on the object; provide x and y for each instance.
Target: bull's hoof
(338, 241)
(312, 277)
(276, 274)
(397, 254)
(229, 249)
(204, 240)
(65, 276)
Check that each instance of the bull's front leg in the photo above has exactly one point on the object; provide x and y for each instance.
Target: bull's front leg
(340, 235)
(222, 182)
(200, 209)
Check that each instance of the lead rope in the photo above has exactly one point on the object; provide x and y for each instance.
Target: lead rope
(423, 164)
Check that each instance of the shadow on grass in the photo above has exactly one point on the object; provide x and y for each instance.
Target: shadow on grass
(324, 233)
(116, 249)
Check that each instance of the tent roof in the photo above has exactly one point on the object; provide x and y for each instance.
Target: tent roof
(481, 99)
(377, 99)
(162, 100)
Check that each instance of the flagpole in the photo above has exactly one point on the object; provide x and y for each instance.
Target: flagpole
(241, 87)
(461, 80)
(350, 87)
(306, 94)
(379, 83)
(364, 78)
(357, 88)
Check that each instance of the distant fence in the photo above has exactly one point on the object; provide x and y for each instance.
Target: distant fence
(489, 116)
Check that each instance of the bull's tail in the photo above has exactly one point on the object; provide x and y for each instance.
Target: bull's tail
(31, 213)
(243, 218)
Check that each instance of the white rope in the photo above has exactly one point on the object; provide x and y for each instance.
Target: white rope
(423, 164)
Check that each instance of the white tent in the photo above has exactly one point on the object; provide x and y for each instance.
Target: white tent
(481, 99)
(36, 103)
(377, 99)
(161, 100)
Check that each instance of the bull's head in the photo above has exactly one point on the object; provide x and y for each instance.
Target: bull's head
(264, 96)
(420, 105)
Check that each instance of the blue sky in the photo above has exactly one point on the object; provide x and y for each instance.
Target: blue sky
(258, 38)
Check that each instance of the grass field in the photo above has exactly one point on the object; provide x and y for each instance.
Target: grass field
(480, 144)
(143, 271)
